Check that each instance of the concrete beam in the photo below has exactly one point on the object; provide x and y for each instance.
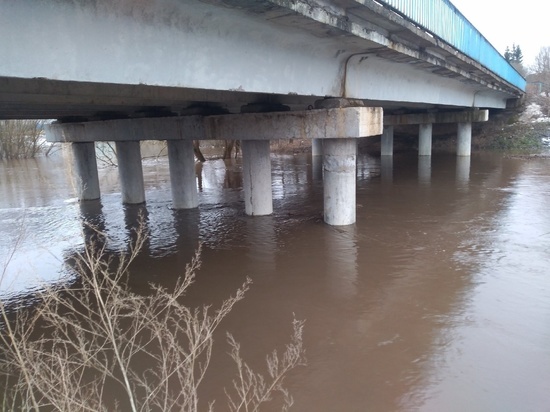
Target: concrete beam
(123, 130)
(350, 122)
(470, 116)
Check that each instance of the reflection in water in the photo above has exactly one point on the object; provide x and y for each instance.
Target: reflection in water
(185, 235)
(463, 170)
(93, 223)
(386, 168)
(261, 243)
(341, 258)
(136, 217)
(436, 300)
(424, 170)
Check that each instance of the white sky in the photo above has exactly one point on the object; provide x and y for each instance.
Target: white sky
(504, 22)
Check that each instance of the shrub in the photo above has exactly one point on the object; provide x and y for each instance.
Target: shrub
(98, 346)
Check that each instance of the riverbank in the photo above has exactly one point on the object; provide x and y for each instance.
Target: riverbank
(524, 128)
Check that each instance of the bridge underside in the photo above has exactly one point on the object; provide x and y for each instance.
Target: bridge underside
(80, 60)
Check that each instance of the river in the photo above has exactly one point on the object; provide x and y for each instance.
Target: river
(437, 299)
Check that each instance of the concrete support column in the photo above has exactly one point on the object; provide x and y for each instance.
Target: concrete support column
(316, 147)
(85, 166)
(130, 172)
(425, 139)
(387, 141)
(258, 197)
(181, 161)
(339, 181)
(464, 139)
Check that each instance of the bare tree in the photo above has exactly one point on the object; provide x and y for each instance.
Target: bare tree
(542, 62)
(22, 139)
(539, 87)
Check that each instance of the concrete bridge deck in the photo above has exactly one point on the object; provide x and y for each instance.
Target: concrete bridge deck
(102, 59)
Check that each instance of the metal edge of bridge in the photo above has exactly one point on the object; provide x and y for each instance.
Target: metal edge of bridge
(400, 40)
(474, 45)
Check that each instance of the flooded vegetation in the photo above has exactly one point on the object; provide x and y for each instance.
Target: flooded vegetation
(438, 298)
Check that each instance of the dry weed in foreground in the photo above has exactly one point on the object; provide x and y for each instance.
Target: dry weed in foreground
(101, 347)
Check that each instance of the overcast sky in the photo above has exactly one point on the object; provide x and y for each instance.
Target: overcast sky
(505, 22)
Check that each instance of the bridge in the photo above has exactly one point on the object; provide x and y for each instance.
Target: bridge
(330, 71)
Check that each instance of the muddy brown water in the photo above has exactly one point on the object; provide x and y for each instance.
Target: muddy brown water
(437, 299)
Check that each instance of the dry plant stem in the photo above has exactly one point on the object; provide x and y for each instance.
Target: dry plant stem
(106, 154)
(102, 340)
(252, 388)
(12, 336)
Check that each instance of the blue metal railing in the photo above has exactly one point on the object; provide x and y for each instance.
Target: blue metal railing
(442, 19)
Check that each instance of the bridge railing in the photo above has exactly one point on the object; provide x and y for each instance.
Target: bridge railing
(442, 19)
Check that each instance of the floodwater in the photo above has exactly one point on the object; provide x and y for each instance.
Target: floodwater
(437, 299)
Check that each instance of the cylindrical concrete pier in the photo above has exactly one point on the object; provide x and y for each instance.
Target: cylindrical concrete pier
(425, 139)
(339, 181)
(130, 172)
(258, 197)
(85, 166)
(316, 147)
(181, 161)
(387, 141)
(464, 139)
